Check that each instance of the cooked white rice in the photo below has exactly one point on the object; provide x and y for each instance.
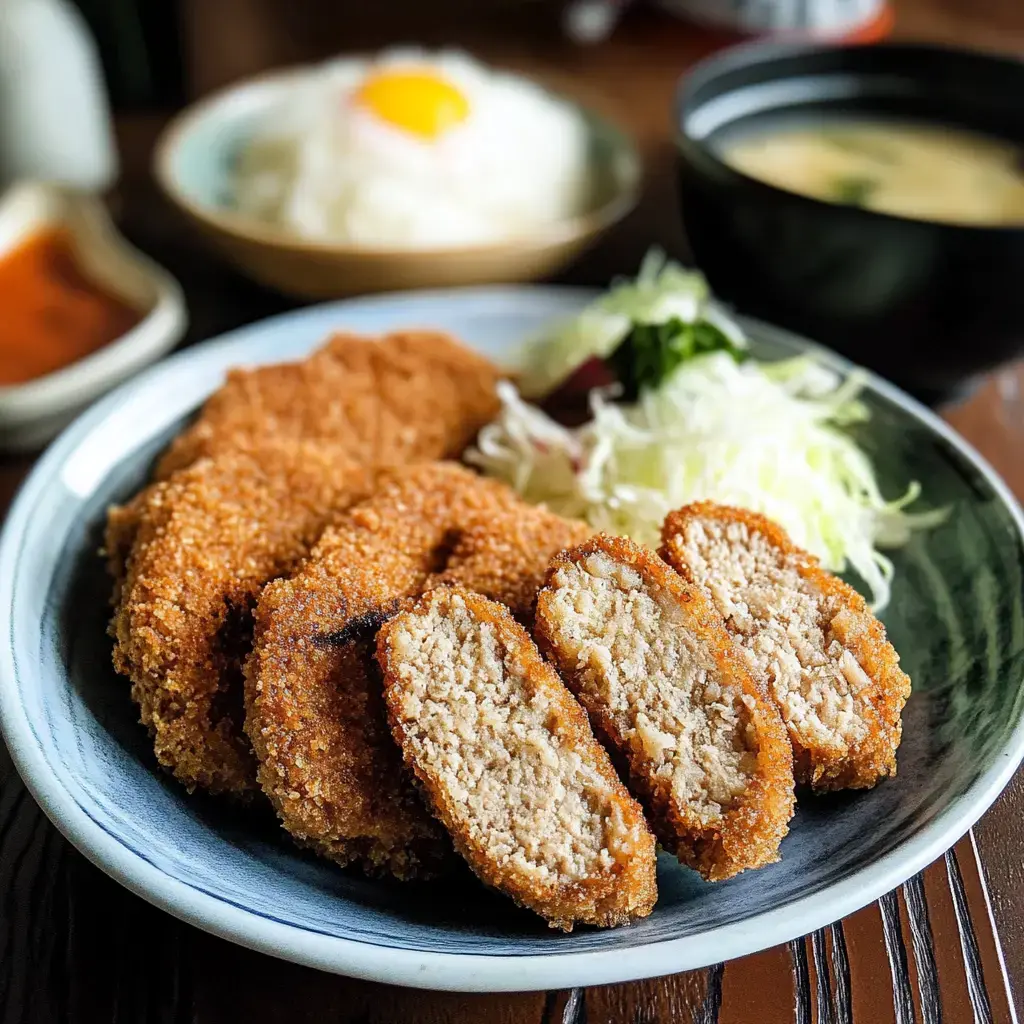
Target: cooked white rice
(326, 168)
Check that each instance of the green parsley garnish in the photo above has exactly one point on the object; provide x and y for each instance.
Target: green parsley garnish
(650, 353)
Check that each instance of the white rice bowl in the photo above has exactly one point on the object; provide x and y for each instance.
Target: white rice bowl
(325, 167)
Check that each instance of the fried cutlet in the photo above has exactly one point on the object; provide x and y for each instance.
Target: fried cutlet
(315, 710)
(505, 556)
(190, 556)
(509, 763)
(407, 397)
(664, 684)
(823, 656)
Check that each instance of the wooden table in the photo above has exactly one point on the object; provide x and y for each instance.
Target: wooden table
(74, 946)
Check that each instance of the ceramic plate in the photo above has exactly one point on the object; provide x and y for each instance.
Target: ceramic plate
(955, 616)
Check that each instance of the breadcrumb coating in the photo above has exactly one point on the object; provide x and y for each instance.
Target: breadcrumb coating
(823, 656)
(315, 710)
(505, 557)
(190, 556)
(509, 763)
(664, 684)
(408, 397)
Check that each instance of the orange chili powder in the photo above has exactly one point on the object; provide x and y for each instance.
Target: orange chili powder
(51, 314)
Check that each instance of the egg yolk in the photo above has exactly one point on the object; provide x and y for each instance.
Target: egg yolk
(417, 102)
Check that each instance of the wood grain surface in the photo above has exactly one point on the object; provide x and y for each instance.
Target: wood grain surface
(76, 947)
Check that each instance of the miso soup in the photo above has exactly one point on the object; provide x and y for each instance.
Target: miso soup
(921, 171)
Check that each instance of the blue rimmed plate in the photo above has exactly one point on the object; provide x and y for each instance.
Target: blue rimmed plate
(956, 616)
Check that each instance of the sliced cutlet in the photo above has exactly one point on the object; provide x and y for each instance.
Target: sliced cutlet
(509, 763)
(314, 703)
(664, 684)
(823, 656)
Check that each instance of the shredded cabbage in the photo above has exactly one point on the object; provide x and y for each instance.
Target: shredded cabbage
(766, 437)
(663, 290)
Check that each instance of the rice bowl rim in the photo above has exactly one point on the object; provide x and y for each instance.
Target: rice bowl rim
(625, 176)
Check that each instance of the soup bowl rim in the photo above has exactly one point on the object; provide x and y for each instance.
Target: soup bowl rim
(688, 144)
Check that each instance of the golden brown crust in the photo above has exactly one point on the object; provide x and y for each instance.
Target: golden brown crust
(505, 556)
(619, 890)
(749, 833)
(314, 715)
(190, 556)
(119, 538)
(408, 397)
(772, 531)
(345, 793)
(844, 617)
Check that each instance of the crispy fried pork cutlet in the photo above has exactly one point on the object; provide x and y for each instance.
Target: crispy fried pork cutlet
(505, 557)
(315, 711)
(509, 764)
(651, 661)
(824, 656)
(119, 536)
(190, 556)
(408, 397)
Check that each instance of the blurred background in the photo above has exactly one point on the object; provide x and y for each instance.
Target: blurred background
(103, 79)
(159, 55)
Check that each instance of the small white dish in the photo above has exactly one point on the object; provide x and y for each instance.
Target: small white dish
(33, 412)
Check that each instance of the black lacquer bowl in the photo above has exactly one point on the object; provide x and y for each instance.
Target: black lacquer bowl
(928, 305)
